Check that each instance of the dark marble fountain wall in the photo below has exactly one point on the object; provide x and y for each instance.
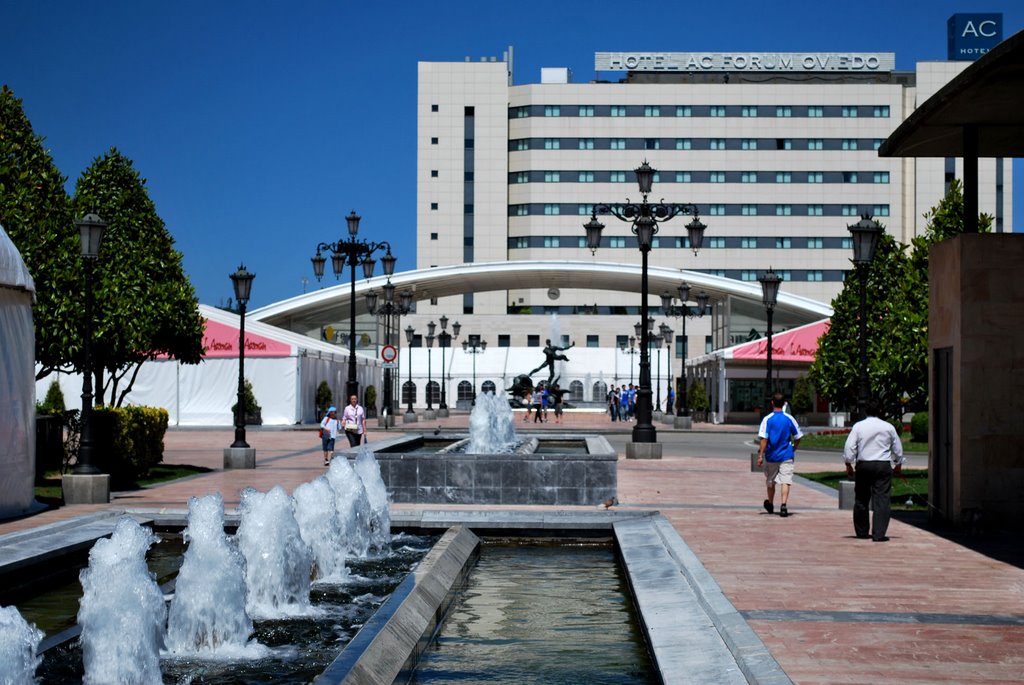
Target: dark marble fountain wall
(584, 474)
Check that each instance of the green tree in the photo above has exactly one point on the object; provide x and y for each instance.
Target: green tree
(145, 305)
(897, 319)
(36, 213)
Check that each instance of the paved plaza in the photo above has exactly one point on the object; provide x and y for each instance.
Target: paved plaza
(921, 608)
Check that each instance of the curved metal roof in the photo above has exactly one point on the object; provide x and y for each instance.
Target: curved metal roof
(332, 303)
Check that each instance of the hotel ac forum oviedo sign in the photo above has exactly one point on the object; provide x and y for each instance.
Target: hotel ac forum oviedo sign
(789, 62)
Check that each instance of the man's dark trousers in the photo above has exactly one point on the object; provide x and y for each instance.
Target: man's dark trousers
(872, 480)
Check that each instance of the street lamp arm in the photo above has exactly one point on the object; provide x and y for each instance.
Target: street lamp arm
(660, 212)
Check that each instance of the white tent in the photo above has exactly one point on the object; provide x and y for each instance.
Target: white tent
(284, 368)
(17, 391)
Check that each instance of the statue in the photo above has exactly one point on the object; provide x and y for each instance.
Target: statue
(550, 357)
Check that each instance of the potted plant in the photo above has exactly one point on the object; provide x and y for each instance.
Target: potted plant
(697, 399)
(324, 399)
(253, 413)
(370, 401)
(802, 400)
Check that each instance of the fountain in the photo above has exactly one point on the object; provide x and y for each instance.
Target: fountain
(19, 641)
(317, 517)
(492, 428)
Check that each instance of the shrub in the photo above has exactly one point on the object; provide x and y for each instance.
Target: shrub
(697, 397)
(53, 403)
(324, 396)
(919, 427)
(252, 407)
(803, 397)
(128, 441)
(370, 401)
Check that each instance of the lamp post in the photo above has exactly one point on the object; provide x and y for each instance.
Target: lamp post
(655, 342)
(444, 340)
(474, 346)
(91, 228)
(770, 282)
(644, 218)
(242, 282)
(352, 251)
(410, 415)
(866, 234)
(684, 312)
(391, 312)
(430, 414)
(666, 335)
(630, 351)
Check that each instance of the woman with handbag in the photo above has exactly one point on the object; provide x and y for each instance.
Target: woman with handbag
(353, 420)
(329, 427)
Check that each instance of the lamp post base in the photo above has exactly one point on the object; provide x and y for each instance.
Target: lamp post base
(86, 488)
(239, 458)
(683, 423)
(386, 421)
(442, 413)
(429, 415)
(643, 450)
(410, 417)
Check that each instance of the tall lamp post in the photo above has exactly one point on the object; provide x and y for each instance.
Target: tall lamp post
(444, 340)
(666, 335)
(655, 342)
(240, 455)
(770, 282)
(631, 351)
(352, 251)
(474, 346)
(644, 218)
(431, 327)
(391, 312)
(684, 312)
(866, 234)
(410, 415)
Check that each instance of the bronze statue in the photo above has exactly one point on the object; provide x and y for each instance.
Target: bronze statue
(550, 357)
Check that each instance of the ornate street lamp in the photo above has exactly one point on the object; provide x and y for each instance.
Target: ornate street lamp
(684, 312)
(444, 340)
(631, 351)
(242, 282)
(430, 348)
(390, 312)
(410, 415)
(866, 234)
(474, 346)
(644, 218)
(91, 228)
(353, 252)
(666, 335)
(770, 282)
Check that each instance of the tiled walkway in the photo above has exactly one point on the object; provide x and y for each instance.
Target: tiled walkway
(832, 609)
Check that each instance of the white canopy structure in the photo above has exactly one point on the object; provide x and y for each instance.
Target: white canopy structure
(17, 389)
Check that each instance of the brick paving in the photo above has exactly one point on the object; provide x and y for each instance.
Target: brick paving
(921, 608)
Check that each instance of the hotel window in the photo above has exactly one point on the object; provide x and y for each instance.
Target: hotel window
(815, 243)
(433, 236)
(504, 340)
(552, 111)
(815, 210)
(586, 143)
(881, 177)
(849, 143)
(467, 209)
(434, 108)
(433, 173)
(552, 209)
(783, 210)
(433, 141)
(467, 175)
(617, 143)
(783, 111)
(748, 177)
(748, 144)
(717, 110)
(522, 177)
(881, 111)
(846, 243)
(586, 177)
(551, 241)
(718, 143)
(521, 112)
(684, 111)
(586, 110)
(683, 177)
(785, 275)
(552, 177)
(881, 210)
(748, 111)
(748, 210)
(433, 206)
(593, 340)
(783, 243)
(850, 112)
(849, 177)
(716, 177)
(522, 210)
(523, 144)
(748, 243)
(582, 242)
(716, 210)
(552, 143)
(617, 176)
(717, 241)
(584, 210)
(522, 242)
(783, 177)
(617, 241)
(618, 110)
(684, 144)
(650, 111)
(814, 276)
(876, 143)
(652, 143)
(815, 177)
(850, 210)
(815, 112)
(748, 275)
(715, 272)
(815, 144)
(783, 143)
(657, 177)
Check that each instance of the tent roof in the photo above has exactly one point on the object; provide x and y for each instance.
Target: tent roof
(795, 345)
(13, 272)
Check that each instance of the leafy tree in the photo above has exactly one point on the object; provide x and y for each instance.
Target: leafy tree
(36, 213)
(897, 323)
(803, 397)
(145, 305)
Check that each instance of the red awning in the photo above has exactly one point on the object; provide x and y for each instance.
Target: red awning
(795, 345)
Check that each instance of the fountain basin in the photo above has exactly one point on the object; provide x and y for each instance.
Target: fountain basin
(570, 469)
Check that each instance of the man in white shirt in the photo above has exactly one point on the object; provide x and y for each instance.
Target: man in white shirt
(875, 448)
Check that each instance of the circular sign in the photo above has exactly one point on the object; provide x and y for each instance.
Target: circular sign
(388, 353)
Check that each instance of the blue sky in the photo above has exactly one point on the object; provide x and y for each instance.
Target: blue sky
(259, 125)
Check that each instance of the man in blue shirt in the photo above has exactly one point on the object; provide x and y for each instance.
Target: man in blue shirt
(777, 431)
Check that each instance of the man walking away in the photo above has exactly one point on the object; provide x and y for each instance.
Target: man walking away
(776, 452)
(872, 449)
